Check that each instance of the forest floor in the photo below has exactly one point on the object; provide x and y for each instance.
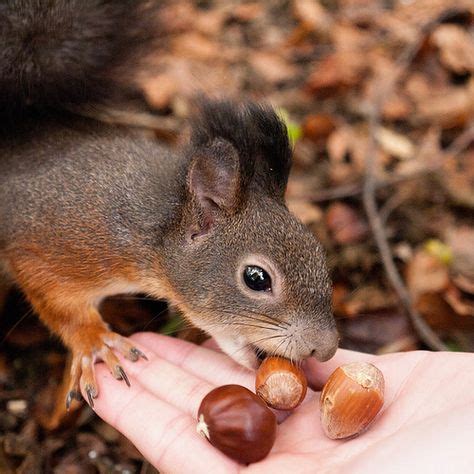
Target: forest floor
(378, 97)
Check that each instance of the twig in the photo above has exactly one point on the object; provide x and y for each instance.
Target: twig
(337, 192)
(425, 333)
(369, 187)
(461, 142)
(394, 201)
(354, 189)
(456, 147)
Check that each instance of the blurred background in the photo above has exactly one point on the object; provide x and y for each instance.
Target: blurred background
(378, 97)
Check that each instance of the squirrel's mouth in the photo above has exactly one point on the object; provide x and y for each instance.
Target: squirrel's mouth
(241, 350)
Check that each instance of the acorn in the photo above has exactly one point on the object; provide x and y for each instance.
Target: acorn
(238, 423)
(281, 384)
(351, 399)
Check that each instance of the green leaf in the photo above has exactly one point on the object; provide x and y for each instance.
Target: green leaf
(439, 250)
(294, 130)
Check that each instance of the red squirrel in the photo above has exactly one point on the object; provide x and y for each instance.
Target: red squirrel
(89, 210)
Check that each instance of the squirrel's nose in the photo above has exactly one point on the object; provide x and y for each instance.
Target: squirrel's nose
(326, 346)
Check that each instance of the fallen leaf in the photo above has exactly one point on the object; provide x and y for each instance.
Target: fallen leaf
(318, 127)
(396, 107)
(312, 15)
(441, 316)
(337, 72)
(456, 47)
(349, 38)
(372, 332)
(425, 273)
(71, 463)
(347, 149)
(197, 46)
(451, 107)
(461, 304)
(395, 144)
(457, 178)
(439, 250)
(306, 212)
(246, 12)
(340, 146)
(17, 407)
(210, 22)
(464, 283)
(302, 185)
(272, 67)
(177, 16)
(461, 242)
(345, 224)
(366, 299)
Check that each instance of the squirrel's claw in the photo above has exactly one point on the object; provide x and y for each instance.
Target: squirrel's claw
(82, 369)
(124, 346)
(91, 394)
(72, 395)
(123, 375)
(135, 354)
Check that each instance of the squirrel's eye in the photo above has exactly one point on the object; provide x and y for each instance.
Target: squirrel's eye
(257, 279)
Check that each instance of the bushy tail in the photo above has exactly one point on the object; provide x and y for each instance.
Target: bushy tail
(59, 52)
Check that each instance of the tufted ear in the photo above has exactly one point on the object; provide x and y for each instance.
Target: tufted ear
(256, 135)
(214, 180)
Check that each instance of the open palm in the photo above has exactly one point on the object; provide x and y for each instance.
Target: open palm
(426, 424)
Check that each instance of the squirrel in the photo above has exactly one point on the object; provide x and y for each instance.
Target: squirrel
(89, 210)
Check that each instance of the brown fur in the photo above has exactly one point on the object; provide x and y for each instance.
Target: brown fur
(89, 210)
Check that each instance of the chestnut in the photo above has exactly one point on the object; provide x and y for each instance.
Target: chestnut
(280, 383)
(351, 399)
(238, 423)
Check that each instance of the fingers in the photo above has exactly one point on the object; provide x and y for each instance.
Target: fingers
(213, 367)
(165, 434)
(218, 369)
(170, 383)
(197, 366)
(186, 388)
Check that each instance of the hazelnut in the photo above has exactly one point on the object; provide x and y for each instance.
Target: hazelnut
(281, 384)
(351, 399)
(238, 423)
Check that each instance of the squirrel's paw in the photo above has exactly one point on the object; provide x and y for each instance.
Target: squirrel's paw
(87, 351)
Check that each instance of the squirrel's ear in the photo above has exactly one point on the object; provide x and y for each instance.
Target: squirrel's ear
(256, 134)
(214, 178)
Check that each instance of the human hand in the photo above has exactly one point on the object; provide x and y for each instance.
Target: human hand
(426, 424)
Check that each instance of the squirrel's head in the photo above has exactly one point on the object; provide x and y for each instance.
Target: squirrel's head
(244, 269)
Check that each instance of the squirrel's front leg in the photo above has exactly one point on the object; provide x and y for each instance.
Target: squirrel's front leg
(89, 339)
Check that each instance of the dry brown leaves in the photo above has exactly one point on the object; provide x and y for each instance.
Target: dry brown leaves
(327, 65)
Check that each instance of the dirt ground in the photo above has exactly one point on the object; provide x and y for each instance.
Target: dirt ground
(378, 96)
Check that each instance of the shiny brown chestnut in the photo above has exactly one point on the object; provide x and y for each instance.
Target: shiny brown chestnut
(281, 384)
(238, 423)
(351, 399)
